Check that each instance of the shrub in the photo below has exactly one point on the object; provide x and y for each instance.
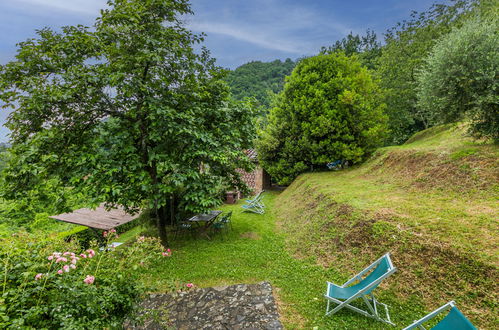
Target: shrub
(90, 289)
(330, 110)
(459, 79)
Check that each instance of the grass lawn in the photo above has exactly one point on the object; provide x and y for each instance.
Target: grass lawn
(255, 251)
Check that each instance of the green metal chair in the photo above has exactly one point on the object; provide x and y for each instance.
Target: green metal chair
(183, 228)
(223, 224)
(454, 320)
(343, 295)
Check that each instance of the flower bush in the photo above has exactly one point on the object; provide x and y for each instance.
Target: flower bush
(52, 284)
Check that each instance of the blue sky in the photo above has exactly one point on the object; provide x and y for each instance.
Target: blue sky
(238, 31)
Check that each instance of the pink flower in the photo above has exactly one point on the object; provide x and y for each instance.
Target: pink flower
(50, 257)
(72, 266)
(104, 234)
(38, 276)
(189, 285)
(91, 252)
(168, 250)
(61, 259)
(66, 253)
(60, 271)
(89, 279)
(66, 268)
(83, 255)
(112, 230)
(74, 260)
(56, 254)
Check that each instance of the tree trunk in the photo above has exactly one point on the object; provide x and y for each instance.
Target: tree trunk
(172, 210)
(161, 219)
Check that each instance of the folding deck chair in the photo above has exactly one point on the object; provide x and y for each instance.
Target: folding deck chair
(454, 320)
(255, 205)
(343, 295)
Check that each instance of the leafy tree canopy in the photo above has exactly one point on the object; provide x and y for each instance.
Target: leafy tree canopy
(407, 45)
(330, 110)
(259, 79)
(125, 110)
(459, 78)
(367, 47)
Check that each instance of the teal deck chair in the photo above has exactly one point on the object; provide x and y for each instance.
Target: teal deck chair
(255, 205)
(454, 320)
(360, 287)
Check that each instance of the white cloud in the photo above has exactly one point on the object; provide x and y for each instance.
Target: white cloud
(255, 37)
(272, 24)
(80, 6)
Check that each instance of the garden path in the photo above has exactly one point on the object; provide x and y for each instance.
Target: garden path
(241, 306)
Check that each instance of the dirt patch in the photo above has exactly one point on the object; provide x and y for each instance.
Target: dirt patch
(251, 235)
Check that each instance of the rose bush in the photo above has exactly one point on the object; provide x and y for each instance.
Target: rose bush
(48, 283)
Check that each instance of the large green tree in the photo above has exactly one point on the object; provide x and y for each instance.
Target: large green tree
(330, 110)
(460, 81)
(126, 110)
(407, 45)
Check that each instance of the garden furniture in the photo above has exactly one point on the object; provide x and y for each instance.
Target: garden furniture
(454, 320)
(204, 221)
(223, 224)
(348, 292)
(255, 205)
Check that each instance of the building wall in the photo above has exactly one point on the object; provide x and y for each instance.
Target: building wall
(257, 180)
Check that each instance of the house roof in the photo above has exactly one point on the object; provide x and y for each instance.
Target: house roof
(252, 154)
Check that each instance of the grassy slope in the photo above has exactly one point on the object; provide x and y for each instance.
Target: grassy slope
(327, 226)
(432, 202)
(255, 251)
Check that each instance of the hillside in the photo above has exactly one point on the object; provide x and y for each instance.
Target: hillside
(256, 79)
(432, 202)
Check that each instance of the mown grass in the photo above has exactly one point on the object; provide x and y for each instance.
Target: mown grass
(432, 202)
(255, 250)
(416, 200)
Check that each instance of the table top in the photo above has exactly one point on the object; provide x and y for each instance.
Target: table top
(205, 217)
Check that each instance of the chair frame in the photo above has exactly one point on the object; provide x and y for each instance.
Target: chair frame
(255, 205)
(419, 323)
(369, 299)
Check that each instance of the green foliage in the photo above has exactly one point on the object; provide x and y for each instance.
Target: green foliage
(407, 45)
(330, 109)
(459, 78)
(59, 293)
(259, 80)
(367, 47)
(125, 111)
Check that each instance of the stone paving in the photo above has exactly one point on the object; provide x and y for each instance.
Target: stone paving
(242, 306)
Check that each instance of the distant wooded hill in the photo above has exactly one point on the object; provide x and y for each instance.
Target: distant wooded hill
(256, 79)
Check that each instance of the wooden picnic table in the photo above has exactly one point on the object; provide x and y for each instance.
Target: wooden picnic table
(206, 219)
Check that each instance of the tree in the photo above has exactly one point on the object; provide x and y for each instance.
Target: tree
(126, 111)
(459, 78)
(330, 110)
(367, 47)
(259, 79)
(407, 45)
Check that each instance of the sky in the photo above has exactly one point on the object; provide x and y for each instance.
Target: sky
(238, 31)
